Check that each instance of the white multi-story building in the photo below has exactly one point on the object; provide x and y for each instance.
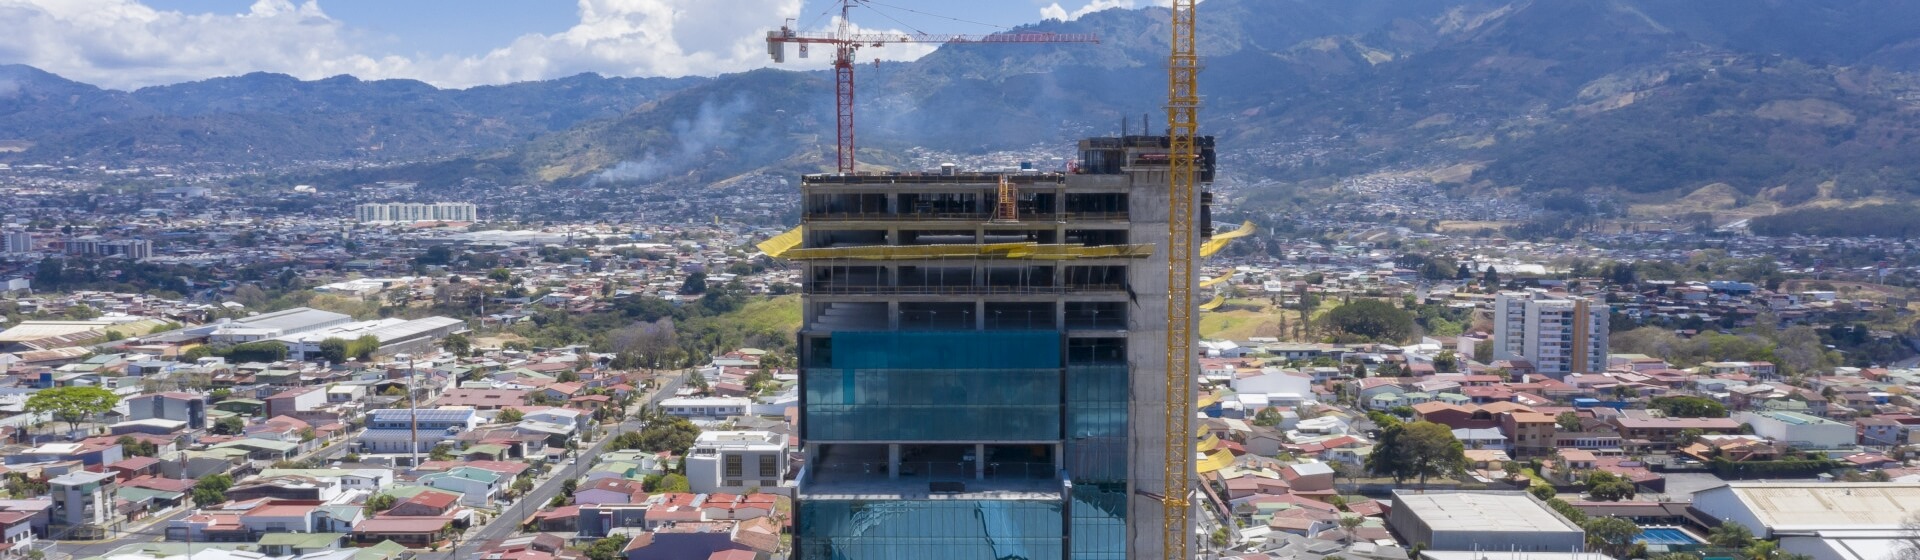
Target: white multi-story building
(735, 461)
(1558, 333)
(389, 212)
(136, 249)
(394, 430)
(83, 499)
(19, 242)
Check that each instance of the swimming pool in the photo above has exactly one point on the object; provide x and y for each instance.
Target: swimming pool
(1670, 536)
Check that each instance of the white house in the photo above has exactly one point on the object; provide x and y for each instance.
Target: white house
(706, 407)
(477, 487)
(734, 461)
(1277, 384)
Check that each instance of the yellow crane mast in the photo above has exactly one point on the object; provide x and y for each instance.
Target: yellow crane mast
(1183, 108)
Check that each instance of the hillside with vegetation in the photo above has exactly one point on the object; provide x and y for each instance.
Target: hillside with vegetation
(1779, 104)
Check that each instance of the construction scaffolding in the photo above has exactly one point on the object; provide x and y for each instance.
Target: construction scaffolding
(984, 250)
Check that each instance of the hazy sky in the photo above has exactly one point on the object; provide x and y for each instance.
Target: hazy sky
(127, 44)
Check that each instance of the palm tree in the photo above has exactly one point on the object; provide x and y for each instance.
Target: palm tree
(1730, 535)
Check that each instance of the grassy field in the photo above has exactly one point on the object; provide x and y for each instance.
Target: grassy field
(1243, 318)
(1238, 324)
(777, 317)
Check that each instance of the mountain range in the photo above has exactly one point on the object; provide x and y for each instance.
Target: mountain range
(1774, 102)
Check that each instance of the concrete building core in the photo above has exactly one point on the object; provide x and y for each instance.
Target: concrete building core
(983, 380)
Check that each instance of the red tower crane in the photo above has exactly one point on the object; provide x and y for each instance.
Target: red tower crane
(845, 42)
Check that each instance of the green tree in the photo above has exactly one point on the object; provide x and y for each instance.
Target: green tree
(442, 452)
(663, 433)
(1446, 362)
(137, 448)
(1730, 535)
(72, 404)
(230, 426)
(335, 350)
(211, 489)
(1567, 510)
(695, 284)
(1612, 535)
(674, 483)
(1608, 487)
(381, 502)
(458, 344)
(1417, 450)
(1567, 422)
(610, 548)
(500, 275)
(1268, 417)
(364, 347)
(510, 416)
(1370, 320)
(1543, 491)
(259, 351)
(195, 353)
(1682, 406)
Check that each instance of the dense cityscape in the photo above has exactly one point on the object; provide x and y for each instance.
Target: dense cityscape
(952, 352)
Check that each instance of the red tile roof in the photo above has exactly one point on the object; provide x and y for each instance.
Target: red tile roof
(435, 500)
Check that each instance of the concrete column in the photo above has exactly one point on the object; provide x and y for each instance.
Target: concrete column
(893, 315)
(980, 315)
(893, 461)
(979, 461)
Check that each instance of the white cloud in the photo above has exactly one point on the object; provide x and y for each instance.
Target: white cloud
(126, 44)
(1054, 11)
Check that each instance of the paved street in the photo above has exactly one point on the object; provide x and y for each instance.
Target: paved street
(506, 524)
(144, 531)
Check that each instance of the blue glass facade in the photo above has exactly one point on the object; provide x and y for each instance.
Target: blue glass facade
(947, 529)
(961, 386)
(1096, 443)
(972, 387)
(933, 405)
(1099, 522)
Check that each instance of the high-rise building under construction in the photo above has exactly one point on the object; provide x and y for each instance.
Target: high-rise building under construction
(982, 359)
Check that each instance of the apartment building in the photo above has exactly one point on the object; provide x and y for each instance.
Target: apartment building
(83, 504)
(398, 212)
(1557, 333)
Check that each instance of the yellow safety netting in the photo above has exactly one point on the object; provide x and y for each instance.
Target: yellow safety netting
(1206, 400)
(1220, 240)
(1209, 444)
(989, 250)
(1218, 300)
(1211, 282)
(1218, 459)
(779, 244)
